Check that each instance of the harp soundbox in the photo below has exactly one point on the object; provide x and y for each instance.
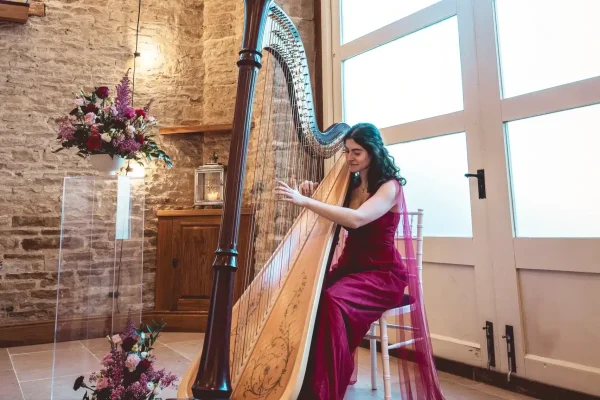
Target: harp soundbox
(258, 348)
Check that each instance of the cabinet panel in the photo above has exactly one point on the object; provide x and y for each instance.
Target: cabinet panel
(187, 241)
(194, 243)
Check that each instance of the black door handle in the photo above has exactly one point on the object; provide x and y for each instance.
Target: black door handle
(480, 175)
(174, 263)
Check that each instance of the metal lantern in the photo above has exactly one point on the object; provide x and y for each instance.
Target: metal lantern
(209, 182)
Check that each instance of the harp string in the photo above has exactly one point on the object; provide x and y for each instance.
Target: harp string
(247, 308)
(281, 153)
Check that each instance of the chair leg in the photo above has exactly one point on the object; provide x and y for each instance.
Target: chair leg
(387, 389)
(373, 346)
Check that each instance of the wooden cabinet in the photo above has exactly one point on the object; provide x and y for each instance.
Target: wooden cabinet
(187, 240)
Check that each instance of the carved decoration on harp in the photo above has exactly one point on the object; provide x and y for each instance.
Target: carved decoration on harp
(257, 348)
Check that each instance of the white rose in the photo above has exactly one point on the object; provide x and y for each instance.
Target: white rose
(130, 129)
(106, 137)
(79, 102)
(144, 354)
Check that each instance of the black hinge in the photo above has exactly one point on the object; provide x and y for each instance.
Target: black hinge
(510, 350)
(480, 175)
(489, 335)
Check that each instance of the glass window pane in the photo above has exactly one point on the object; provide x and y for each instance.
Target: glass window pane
(412, 78)
(547, 43)
(360, 17)
(435, 181)
(555, 173)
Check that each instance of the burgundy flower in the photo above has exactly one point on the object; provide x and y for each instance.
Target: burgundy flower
(95, 130)
(119, 124)
(139, 138)
(78, 383)
(102, 92)
(94, 142)
(140, 113)
(128, 344)
(143, 366)
(90, 108)
(103, 394)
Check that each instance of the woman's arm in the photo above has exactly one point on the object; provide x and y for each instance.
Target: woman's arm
(380, 203)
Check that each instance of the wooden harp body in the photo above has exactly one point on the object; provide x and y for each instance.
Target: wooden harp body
(258, 348)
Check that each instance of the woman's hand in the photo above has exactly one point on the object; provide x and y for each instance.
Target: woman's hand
(307, 188)
(290, 195)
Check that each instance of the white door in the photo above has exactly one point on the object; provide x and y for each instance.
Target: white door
(409, 68)
(510, 87)
(540, 92)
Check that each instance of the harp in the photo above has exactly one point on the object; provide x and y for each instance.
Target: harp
(258, 348)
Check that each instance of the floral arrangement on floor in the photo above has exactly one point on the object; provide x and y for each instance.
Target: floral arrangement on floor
(101, 124)
(128, 369)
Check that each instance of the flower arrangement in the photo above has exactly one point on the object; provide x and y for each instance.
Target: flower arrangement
(127, 370)
(101, 124)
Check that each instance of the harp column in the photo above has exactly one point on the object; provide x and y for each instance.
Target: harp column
(213, 380)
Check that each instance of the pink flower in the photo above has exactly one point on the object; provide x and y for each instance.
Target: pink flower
(102, 383)
(107, 360)
(129, 146)
(66, 130)
(132, 361)
(117, 393)
(116, 339)
(90, 118)
(79, 102)
(129, 113)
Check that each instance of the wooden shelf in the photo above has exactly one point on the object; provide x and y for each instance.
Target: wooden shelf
(195, 212)
(19, 11)
(218, 128)
(174, 130)
(13, 11)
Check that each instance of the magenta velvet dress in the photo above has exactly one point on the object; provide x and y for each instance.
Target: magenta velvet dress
(369, 279)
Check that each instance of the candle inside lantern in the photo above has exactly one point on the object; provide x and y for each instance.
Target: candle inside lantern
(212, 196)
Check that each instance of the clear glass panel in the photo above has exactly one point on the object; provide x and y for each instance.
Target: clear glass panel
(555, 174)
(412, 78)
(360, 17)
(212, 185)
(100, 273)
(435, 181)
(547, 43)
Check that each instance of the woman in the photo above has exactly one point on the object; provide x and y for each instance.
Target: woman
(370, 277)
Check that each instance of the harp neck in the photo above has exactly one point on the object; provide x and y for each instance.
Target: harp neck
(213, 379)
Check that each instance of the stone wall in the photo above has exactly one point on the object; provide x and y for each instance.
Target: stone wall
(187, 65)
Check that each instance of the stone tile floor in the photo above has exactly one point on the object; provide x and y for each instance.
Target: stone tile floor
(26, 372)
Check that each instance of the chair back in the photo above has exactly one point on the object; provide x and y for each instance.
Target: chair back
(416, 228)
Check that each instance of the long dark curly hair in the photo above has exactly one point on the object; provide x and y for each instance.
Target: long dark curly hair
(382, 167)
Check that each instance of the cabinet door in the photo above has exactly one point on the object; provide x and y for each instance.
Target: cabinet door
(194, 243)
